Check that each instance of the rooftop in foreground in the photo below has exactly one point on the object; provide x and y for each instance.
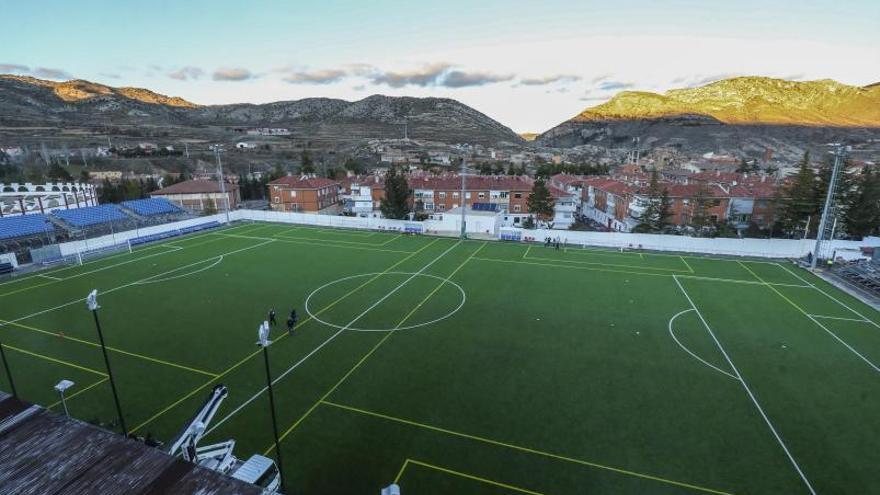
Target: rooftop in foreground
(42, 452)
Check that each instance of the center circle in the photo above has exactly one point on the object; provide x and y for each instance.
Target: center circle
(444, 281)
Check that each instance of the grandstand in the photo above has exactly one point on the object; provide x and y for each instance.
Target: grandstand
(24, 226)
(91, 215)
(864, 274)
(152, 207)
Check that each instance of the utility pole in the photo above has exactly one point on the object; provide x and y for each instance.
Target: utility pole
(839, 155)
(463, 199)
(221, 181)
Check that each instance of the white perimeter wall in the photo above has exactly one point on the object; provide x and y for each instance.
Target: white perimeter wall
(770, 248)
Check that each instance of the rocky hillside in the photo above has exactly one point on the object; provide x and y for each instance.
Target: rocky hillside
(753, 112)
(29, 102)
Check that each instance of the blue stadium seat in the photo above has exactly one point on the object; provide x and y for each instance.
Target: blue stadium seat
(485, 207)
(24, 225)
(90, 215)
(152, 207)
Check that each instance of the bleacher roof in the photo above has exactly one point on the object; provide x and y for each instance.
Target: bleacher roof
(151, 207)
(24, 225)
(90, 215)
(44, 452)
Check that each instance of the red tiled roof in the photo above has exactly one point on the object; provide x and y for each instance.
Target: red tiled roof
(472, 182)
(194, 187)
(304, 183)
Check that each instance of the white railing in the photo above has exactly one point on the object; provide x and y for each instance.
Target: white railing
(770, 248)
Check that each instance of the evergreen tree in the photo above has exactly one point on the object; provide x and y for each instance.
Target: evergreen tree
(58, 173)
(540, 202)
(700, 208)
(657, 208)
(862, 205)
(798, 202)
(395, 204)
(306, 164)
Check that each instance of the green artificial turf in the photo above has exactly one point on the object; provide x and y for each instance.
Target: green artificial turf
(470, 366)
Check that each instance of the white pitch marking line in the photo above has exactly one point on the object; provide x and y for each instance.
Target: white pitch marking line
(863, 317)
(153, 280)
(50, 277)
(698, 358)
(136, 282)
(747, 389)
(329, 339)
(839, 318)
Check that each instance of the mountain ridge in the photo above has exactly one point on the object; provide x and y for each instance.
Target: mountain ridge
(27, 101)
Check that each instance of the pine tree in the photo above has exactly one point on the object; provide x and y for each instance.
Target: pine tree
(657, 208)
(798, 202)
(862, 205)
(540, 202)
(395, 204)
(700, 208)
(306, 164)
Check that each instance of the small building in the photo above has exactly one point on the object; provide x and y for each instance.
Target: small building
(111, 175)
(198, 196)
(304, 194)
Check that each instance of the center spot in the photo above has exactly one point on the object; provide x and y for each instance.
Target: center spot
(439, 298)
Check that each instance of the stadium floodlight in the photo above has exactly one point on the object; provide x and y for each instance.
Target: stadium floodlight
(8, 372)
(92, 304)
(61, 387)
(263, 341)
(392, 489)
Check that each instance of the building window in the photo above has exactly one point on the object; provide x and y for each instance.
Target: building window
(442, 195)
(441, 207)
(277, 199)
(517, 195)
(455, 195)
(467, 195)
(481, 195)
(292, 194)
(517, 208)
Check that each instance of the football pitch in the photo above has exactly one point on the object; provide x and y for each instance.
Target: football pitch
(469, 366)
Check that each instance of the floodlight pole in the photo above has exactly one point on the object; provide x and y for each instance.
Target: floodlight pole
(264, 343)
(463, 200)
(221, 181)
(92, 303)
(839, 154)
(8, 373)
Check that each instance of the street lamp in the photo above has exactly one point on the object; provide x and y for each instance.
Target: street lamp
(264, 342)
(61, 387)
(92, 304)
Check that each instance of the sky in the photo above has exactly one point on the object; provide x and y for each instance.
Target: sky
(529, 65)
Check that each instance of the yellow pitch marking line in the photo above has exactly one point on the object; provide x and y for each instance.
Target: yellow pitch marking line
(251, 355)
(374, 349)
(527, 449)
(463, 475)
(54, 360)
(814, 320)
(77, 393)
(109, 348)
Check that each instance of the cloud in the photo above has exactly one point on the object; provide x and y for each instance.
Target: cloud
(186, 73)
(50, 73)
(599, 78)
(428, 75)
(359, 87)
(232, 74)
(327, 76)
(615, 85)
(14, 68)
(461, 79)
(109, 75)
(541, 81)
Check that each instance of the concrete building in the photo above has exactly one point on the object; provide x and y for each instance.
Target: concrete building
(199, 195)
